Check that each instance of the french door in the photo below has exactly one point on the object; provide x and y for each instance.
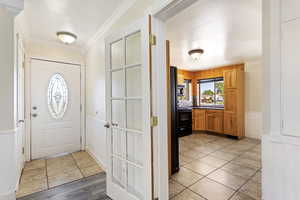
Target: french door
(128, 107)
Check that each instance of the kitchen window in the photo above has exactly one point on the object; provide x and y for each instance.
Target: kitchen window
(211, 92)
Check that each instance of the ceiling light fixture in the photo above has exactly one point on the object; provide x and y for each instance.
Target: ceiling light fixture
(66, 37)
(196, 53)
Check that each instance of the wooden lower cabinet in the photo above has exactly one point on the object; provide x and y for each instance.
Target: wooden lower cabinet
(199, 119)
(214, 121)
(230, 124)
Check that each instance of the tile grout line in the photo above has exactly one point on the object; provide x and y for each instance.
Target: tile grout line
(47, 178)
(206, 176)
(77, 165)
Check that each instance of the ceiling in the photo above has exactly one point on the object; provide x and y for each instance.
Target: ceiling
(229, 31)
(43, 18)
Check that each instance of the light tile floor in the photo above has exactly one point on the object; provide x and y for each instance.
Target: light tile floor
(39, 175)
(217, 168)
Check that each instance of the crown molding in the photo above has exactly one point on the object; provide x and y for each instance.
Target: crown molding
(117, 14)
(14, 6)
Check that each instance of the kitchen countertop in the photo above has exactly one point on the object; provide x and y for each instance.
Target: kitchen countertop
(207, 108)
(199, 107)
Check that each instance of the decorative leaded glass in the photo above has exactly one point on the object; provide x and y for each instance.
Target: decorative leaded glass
(57, 96)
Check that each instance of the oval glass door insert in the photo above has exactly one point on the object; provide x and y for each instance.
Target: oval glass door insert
(57, 96)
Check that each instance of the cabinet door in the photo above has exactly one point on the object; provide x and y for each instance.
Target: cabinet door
(214, 122)
(230, 79)
(230, 124)
(199, 120)
(210, 120)
(230, 100)
(218, 122)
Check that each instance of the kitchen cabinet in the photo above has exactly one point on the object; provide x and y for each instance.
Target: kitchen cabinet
(230, 79)
(230, 123)
(199, 119)
(230, 100)
(231, 120)
(214, 121)
(234, 103)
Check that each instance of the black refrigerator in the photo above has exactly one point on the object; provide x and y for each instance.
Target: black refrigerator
(174, 135)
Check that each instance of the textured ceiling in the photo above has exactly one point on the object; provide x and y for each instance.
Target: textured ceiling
(229, 31)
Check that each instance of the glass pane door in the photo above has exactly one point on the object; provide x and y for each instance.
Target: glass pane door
(128, 106)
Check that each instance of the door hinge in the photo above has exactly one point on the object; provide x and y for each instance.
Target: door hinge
(80, 107)
(152, 40)
(282, 124)
(23, 150)
(154, 121)
(80, 139)
(23, 64)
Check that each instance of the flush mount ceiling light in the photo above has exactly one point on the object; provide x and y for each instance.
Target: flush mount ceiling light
(196, 53)
(66, 37)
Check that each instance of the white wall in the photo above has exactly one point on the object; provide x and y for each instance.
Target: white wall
(95, 103)
(254, 98)
(53, 51)
(281, 141)
(7, 70)
(8, 129)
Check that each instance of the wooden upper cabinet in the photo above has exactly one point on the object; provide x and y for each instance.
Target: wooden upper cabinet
(230, 79)
(230, 100)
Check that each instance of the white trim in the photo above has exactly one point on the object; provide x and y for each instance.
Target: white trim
(108, 23)
(98, 161)
(161, 13)
(9, 131)
(14, 7)
(170, 8)
(28, 152)
(280, 139)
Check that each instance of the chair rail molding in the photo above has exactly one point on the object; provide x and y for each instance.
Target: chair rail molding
(8, 132)
(15, 6)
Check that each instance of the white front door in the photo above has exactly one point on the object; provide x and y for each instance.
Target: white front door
(129, 175)
(55, 108)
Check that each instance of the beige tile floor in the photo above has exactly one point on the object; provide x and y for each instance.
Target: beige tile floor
(217, 168)
(39, 175)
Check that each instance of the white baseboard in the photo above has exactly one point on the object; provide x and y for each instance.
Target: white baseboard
(99, 162)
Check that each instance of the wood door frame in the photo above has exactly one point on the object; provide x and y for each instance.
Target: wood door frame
(28, 122)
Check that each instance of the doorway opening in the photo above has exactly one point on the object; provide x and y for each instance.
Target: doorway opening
(55, 139)
(214, 99)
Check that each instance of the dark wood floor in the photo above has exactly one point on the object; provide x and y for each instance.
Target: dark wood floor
(90, 188)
